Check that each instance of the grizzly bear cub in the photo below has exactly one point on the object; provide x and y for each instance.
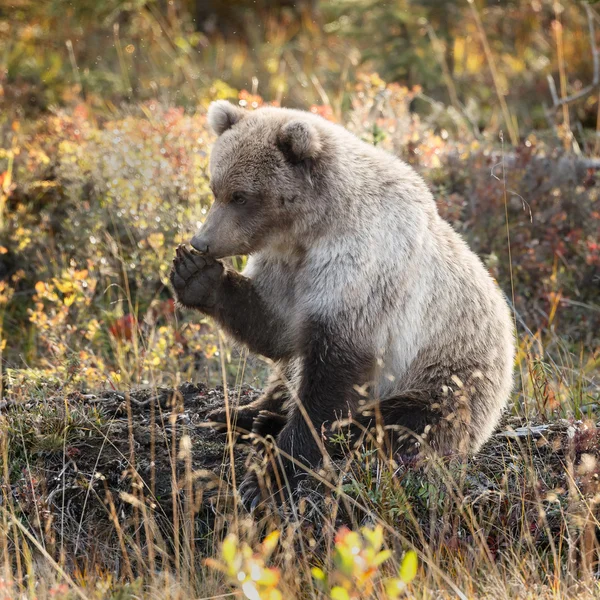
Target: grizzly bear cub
(355, 287)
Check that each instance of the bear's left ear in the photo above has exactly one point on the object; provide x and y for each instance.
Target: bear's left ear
(223, 115)
(299, 140)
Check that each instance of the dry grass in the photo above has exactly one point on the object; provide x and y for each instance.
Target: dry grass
(126, 495)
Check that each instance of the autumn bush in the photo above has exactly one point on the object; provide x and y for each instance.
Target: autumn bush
(93, 209)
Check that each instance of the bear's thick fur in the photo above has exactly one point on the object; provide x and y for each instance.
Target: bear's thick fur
(355, 287)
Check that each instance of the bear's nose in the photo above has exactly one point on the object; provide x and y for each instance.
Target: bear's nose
(199, 244)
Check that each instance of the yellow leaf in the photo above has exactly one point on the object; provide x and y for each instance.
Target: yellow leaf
(269, 578)
(270, 542)
(3, 250)
(408, 568)
(339, 593)
(40, 287)
(374, 536)
(156, 240)
(381, 557)
(2, 345)
(229, 548)
(65, 287)
(69, 299)
(394, 588)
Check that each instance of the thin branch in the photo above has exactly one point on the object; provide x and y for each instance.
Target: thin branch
(558, 102)
(508, 120)
(595, 54)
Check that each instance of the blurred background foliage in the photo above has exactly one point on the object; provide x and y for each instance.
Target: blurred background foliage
(105, 53)
(104, 149)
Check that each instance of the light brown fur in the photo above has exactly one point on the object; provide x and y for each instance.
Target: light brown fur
(360, 281)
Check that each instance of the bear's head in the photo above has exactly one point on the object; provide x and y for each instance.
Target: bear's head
(261, 170)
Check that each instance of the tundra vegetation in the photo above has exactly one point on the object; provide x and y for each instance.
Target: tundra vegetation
(111, 483)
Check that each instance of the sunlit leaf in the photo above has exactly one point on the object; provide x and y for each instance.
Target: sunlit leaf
(408, 568)
(229, 548)
(269, 577)
(339, 593)
(394, 588)
(69, 299)
(374, 536)
(269, 543)
(381, 557)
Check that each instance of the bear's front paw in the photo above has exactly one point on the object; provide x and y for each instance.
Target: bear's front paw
(240, 418)
(196, 278)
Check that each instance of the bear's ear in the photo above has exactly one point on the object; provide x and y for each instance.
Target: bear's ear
(223, 115)
(299, 140)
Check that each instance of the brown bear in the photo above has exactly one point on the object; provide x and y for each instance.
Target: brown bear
(354, 285)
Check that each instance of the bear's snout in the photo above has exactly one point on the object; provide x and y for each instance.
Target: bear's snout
(214, 235)
(199, 243)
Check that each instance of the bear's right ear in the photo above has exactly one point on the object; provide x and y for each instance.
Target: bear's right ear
(299, 140)
(223, 115)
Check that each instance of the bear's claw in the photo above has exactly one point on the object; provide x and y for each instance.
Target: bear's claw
(268, 423)
(195, 278)
(250, 492)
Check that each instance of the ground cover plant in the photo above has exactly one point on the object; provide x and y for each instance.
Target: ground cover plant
(112, 483)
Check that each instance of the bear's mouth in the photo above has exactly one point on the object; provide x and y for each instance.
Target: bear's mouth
(195, 250)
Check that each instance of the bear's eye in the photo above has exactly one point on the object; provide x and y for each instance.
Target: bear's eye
(239, 198)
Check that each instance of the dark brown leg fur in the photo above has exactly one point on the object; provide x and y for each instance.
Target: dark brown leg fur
(331, 368)
(203, 283)
(271, 403)
(439, 413)
(268, 423)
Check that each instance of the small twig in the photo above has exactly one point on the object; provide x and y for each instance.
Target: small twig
(506, 114)
(559, 102)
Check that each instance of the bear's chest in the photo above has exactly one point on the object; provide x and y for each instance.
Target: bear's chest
(276, 281)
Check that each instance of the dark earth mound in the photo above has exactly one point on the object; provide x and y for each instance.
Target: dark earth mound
(82, 466)
(71, 458)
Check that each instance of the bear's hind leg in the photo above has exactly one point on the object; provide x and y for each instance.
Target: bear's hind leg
(423, 419)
